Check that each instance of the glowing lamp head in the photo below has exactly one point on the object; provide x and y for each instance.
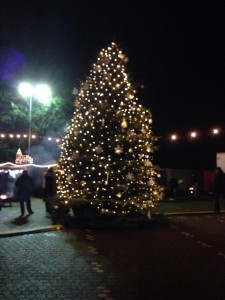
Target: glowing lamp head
(25, 89)
(40, 91)
(43, 93)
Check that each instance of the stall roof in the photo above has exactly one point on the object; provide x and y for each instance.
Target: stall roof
(10, 165)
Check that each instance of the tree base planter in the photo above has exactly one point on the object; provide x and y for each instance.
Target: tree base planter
(104, 221)
(85, 215)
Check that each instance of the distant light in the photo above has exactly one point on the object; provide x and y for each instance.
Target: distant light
(173, 137)
(193, 134)
(215, 131)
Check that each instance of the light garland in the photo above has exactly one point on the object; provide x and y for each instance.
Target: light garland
(24, 136)
(10, 164)
(194, 134)
(172, 136)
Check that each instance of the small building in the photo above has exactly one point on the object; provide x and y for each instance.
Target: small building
(23, 159)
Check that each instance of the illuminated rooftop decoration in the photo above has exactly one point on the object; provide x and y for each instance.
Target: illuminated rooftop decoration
(21, 158)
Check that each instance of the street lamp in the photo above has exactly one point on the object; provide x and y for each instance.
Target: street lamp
(40, 92)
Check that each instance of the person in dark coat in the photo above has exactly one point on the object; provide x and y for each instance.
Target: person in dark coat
(49, 187)
(3, 183)
(49, 183)
(219, 188)
(24, 189)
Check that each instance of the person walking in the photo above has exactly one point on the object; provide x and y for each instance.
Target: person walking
(219, 188)
(24, 186)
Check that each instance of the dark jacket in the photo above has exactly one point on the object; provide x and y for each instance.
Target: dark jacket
(50, 183)
(220, 181)
(24, 185)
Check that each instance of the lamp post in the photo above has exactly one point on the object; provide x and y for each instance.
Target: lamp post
(40, 92)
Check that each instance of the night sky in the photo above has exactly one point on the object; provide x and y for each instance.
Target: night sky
(176, 52)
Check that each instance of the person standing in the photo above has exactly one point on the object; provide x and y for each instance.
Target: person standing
(24, 186)
(219, 188)
(173, 186)
(49, 183)
(3, 189)
(49, 187)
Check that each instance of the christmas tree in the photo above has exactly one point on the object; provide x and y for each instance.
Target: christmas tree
(107, 152)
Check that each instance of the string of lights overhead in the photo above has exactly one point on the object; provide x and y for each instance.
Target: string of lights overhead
(172, 136)
(194, 134)
(24, 136)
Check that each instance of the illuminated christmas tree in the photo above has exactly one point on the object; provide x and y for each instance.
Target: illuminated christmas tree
(106, 154)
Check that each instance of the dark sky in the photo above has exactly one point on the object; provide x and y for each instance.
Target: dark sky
(176, 50)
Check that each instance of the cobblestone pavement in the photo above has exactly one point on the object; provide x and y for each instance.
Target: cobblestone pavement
(54, 265)
(12, 224)
(181, 258)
